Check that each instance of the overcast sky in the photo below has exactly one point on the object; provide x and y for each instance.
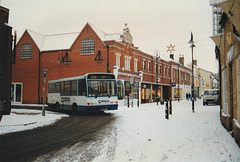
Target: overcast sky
(153, 24)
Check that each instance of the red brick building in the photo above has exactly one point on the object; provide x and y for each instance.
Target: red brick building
(91, 50)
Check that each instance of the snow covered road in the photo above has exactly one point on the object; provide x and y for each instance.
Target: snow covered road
(143, 134)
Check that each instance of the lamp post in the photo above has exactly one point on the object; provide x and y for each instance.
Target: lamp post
(191, 42)
(157, 56)
(44, 81)
(178, 65)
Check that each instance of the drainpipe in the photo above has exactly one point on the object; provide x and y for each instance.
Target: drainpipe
(108, 71)
(220, 86)
(39, 67)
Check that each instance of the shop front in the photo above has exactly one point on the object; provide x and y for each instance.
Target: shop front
(128, 87)
(146, 93)
(156, 93)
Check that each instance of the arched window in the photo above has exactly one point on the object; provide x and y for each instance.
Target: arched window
(87, 46)
(26, 51)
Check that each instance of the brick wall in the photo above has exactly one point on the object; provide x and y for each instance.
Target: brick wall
(26, 70)
(5, 60)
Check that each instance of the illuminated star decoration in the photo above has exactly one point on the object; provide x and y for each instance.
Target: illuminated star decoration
(171, 48)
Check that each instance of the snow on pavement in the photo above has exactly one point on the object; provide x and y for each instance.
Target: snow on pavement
(25, 119)
(143, 134)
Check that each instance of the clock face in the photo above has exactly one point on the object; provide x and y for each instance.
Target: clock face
(171, 48)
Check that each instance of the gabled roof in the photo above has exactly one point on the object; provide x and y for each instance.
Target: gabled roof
(53, 42)
(105, 36)
(64, 41)
(37, 38)
(59, 41)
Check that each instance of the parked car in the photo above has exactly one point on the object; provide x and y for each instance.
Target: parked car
(210, 96)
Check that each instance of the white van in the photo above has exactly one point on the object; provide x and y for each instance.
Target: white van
(210, 96)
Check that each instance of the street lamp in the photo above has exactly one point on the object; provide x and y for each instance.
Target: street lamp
(157, 57)
(191, 42)
(178, 65)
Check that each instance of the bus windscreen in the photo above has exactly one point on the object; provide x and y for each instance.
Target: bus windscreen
(98, 88)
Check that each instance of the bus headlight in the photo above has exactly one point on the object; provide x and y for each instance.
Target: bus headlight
(114, 102)
(90, 104)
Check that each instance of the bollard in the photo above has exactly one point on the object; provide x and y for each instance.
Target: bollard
(166, 110)
(128, 101)
(170, 106)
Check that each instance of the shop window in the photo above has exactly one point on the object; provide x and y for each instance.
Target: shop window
(127, 87)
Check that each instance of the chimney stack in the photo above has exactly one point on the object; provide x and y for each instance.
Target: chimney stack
(181, 59)
(172, 56)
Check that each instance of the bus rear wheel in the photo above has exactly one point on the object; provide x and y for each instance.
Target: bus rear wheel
(57, 107)
(74, 107)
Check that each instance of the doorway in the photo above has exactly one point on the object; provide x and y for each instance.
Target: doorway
(16, 93)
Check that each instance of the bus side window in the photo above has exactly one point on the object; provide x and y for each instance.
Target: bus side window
(67, 89)
(62, 88)
(82, 87)
(74, 88)
(56, 88)
(49, 88)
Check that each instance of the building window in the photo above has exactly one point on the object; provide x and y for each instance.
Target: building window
(159, 69)
(155, 67)
(135, 65)
(165, 70)
(203, 82)
(168, 71)
(127, 63)
(118, 58)
(144, 65)
(149, 64)
(26, 51)
(87, 46)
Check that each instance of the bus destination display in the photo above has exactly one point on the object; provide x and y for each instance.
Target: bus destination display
(100, 76)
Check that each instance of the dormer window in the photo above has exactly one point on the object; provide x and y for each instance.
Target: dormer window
(87, 46)
(26, 51)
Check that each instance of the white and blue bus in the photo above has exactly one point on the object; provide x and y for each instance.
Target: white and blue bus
(88, 93)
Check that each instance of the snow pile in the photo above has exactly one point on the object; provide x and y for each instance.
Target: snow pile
(25, 119)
